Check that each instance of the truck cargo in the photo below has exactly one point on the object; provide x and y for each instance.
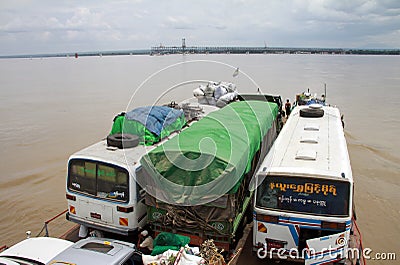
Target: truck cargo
(197, 182)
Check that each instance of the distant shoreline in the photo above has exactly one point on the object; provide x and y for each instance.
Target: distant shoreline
(165, 50)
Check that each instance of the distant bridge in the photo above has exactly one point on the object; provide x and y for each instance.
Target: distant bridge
(241, 50)
(161, 50)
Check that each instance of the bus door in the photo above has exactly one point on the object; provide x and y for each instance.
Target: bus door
(327, 249)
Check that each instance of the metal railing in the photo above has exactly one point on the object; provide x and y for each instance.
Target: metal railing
(46, 223)
(360, 245)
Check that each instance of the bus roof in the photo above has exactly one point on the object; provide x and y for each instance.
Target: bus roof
(310, 146)
(112, 155)
(127, 156)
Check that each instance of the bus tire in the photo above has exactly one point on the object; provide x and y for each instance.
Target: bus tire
(311, 113)
(122, 140)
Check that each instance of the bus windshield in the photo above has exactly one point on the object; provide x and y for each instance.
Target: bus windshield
(304, 195)
(98, 179)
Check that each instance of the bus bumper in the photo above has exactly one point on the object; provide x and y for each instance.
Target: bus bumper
(103, 227)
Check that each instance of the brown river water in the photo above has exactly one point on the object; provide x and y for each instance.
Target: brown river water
(52, 107)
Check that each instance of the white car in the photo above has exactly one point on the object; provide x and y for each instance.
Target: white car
(36, 250)
(99, 251)
(7, 261)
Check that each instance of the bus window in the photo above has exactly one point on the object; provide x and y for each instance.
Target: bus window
(304, 195)
(98, 179)
(82, 177)
(111, 182)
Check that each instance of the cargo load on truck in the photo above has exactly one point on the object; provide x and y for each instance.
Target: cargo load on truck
(150, 124)
(216, 93)
(196, 183)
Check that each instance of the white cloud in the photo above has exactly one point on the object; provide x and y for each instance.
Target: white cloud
(132, 24)
(45, 36)
(84, 18)
(178, 22)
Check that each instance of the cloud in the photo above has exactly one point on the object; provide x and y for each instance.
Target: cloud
(178, 22)
(131, 24)
(84, 17)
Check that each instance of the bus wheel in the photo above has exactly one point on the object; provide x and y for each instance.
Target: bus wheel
(122, 140)
(311, 113)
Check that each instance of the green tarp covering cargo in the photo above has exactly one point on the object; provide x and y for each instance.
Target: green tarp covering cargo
(208, 167)
(211, 157)
(151, 123)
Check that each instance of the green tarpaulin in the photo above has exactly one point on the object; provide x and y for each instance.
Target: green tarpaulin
(165, 241)
(211, 157)
(123, 125)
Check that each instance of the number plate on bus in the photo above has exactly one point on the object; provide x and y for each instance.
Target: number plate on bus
(95, 215)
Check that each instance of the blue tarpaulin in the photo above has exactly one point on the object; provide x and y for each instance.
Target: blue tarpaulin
(155, 118)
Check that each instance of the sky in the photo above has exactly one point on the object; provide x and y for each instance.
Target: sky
(52, 26)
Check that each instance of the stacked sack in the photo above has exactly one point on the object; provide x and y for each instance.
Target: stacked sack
(216, 93)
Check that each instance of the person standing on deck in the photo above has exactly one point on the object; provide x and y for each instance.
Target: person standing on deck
(288, 107)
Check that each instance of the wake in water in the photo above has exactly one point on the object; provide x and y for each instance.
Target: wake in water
(377, 151)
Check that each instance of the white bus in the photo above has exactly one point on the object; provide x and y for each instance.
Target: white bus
(101, 187)
(102, 193)
(303, 205)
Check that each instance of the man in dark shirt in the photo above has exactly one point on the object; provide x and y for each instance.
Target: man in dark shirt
(288, 107)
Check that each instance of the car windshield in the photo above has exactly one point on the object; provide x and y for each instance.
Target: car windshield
(18, 260)
(98, 179)
(304, 195)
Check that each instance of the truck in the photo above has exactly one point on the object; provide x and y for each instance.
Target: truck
(197, 183)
